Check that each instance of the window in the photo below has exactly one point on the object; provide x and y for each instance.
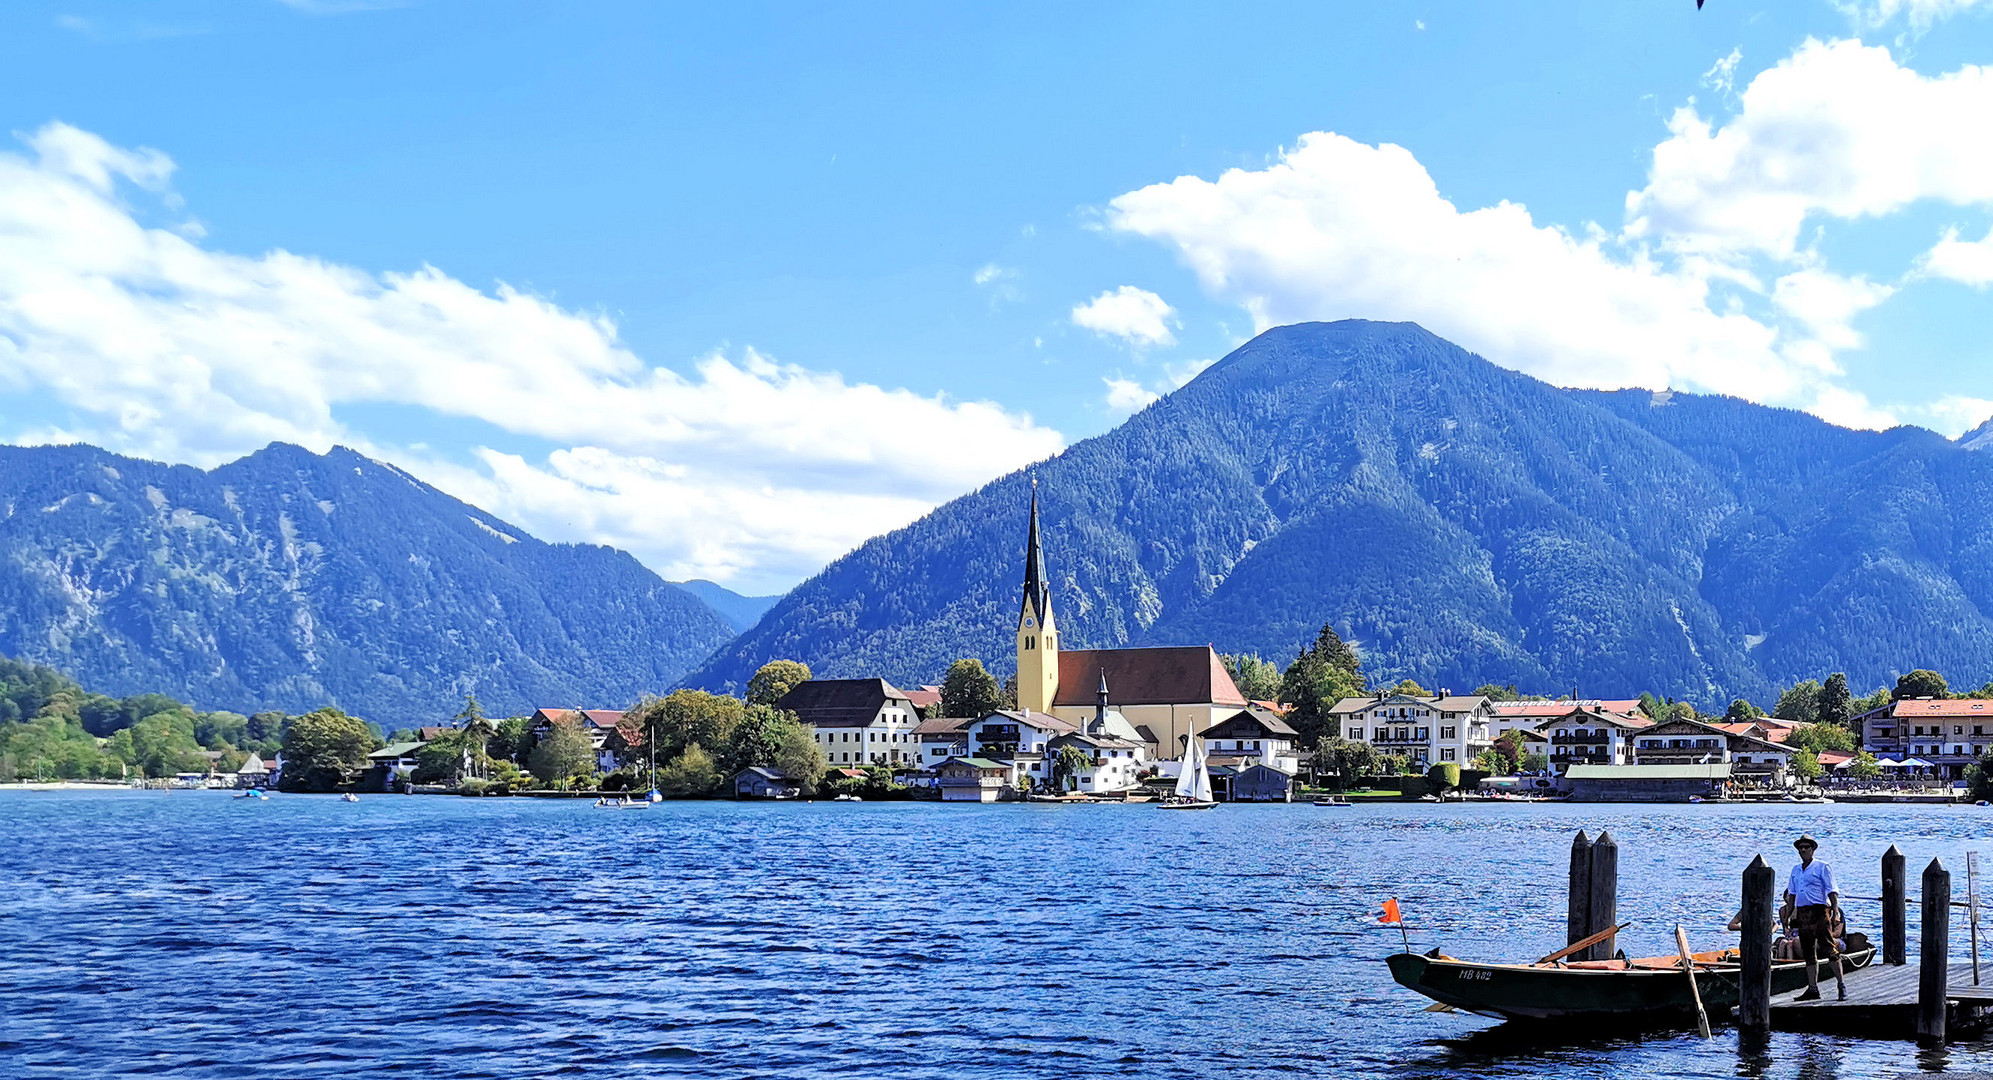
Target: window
(1425, 733)
(1957, 729)
(1447, 732)
(1446, 754)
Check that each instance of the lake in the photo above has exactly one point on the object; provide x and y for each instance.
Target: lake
(191, 934)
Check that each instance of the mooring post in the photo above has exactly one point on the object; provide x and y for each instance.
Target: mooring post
(1894, 934)
(1579, 920)
(1933, 959)
(1605, 894)
(1754, 992)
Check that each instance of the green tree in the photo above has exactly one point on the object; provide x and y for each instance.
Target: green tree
(1818, 737)
(1446, 775)
(1348, 759)
(1323, 674)
(969, 691)
(775, 679)
(1806, 765)
(1410, 688)
(691, 775)
(1875, 700)
(448, 759)
(1535, 762)
(1511, 748)
(1922, 682)
(326, 749)
(684, 717)
(563, 753)
(1067, 765)
(512, 740)
(1742, 711)
(1801, 703)
(796, 753)
(1258, 679)
(1863, 767)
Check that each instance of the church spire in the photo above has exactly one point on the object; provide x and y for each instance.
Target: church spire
(1037, 594)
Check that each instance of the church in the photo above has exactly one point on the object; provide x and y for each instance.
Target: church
(1167, 693)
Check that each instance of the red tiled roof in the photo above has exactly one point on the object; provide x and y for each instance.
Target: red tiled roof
(601, 718)
(1171, 675)
(1564, 707)
(1943, 707)
(1831, 758)
(924, 698)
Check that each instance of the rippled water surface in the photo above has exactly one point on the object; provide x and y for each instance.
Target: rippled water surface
(190, 934)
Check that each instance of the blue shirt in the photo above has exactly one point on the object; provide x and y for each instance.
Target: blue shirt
(1810, 884)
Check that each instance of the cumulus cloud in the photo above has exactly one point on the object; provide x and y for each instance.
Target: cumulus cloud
(748, 470)
(1966, 261)
(1128, 396)
(1136, 316)
(1920, 14)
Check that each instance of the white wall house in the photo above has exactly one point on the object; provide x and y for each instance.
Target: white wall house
(857, 721)
(1251, 737)
(1590, 737)
(1427, 730)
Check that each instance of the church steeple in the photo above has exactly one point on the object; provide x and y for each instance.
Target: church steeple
(1037, 634)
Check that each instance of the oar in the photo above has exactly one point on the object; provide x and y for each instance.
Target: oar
(1695, 995)
(1580, 946)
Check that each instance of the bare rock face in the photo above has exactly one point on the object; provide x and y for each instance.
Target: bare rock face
(292, 580)
(1459, 522)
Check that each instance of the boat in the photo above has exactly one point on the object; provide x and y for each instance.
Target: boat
(1193, 785)
(349, 797)
(1333, 800)
(1646, 990)
(654, 796)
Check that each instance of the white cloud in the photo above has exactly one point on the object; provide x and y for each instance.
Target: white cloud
(750, 470)
(990, 272)
(1128, 396)
(1137, 316)
(1921, 14)
(1966, 261)
(1722, 76)
(1838, 129)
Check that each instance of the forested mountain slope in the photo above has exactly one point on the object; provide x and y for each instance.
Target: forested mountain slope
(291, 580)
(1460, 522)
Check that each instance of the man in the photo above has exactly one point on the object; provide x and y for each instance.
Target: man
(1815, 902)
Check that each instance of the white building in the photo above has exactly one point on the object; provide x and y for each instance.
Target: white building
(1426, 730)
(857, 721)
(1254, 737)
(1590, 737)
(1530, 716)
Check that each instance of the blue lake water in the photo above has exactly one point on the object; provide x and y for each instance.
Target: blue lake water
(190, 934)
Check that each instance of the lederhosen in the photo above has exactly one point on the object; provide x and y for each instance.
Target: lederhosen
(1815, 926)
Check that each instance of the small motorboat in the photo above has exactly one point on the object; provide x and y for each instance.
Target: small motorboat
(349, 797)
(655, 795)
(1334, 800)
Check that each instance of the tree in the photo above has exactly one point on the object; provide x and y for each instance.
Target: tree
(691, 775)
(1067, 765)
(1445, 775)
(1410, 688)
(684, 717)
(1801, 703)
(448, 758)
(775, 679)
(1257, 678)
(1535, 762)
(1806, 765)
(1920, 683)
(1742, 711)
(796, 753)
(1511, 748)
(1818, 737)
(1875, 700)
(1505, 693)
(1863, 767)
(326, 749)
(512, 740)
(1347, 758)
(969, 691)
(1323, 674)
(563, 753)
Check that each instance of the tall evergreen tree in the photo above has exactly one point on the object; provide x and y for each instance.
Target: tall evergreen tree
(1837, 705)
(1324, 673)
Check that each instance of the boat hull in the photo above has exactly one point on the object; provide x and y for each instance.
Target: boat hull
(1532, 992)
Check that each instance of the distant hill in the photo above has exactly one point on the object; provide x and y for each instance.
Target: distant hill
(291, 580)
(740, 612)
(1461, 522)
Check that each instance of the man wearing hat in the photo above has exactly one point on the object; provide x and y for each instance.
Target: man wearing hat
(1810, 890)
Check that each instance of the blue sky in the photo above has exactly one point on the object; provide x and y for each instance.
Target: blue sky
(736, 286)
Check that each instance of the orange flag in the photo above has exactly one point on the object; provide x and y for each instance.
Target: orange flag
(1391, 914)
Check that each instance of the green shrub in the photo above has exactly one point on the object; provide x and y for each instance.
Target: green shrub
(473, 786)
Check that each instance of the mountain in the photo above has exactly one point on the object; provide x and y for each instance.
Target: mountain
(292, 580)
(740, 612)
(1978, 438)
(1460, 522)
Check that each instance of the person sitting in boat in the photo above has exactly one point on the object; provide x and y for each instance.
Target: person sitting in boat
(1815, 901)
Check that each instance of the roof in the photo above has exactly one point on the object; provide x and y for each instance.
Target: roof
(601, 718)
(925, 697)
(840, 702)
(944, 725)
(395, 750)
(1700, 727)
(1597, 716)
(1454, 703)
(1038, 720)
(762, 771)
(1254, 719)
(1717, 771)
(974, 762)
(1947, 707)
(431, 734)
(1563, 706)
(1166, 675)
(1037, 587)
(1832, 758)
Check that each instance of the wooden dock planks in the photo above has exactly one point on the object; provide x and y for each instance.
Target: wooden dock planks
(1882, 999)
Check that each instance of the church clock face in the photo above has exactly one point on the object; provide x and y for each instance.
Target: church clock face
(1029, 622)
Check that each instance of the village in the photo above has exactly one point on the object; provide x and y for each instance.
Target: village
(1086, 725)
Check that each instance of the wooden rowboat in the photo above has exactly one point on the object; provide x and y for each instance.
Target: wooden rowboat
(1651, 989)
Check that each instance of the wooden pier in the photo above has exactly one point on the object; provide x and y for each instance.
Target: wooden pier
(1882, 1001)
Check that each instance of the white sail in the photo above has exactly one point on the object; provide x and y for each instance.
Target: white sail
(1194, 782)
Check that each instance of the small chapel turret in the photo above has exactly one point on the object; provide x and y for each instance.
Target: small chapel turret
(1037, 633)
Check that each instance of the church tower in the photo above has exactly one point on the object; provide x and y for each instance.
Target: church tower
(1037, 634)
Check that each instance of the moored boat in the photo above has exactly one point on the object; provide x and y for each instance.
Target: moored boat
(1645, 990)
(1193, 785)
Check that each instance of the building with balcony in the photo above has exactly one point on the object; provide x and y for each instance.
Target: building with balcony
(973, 779)
(1590, 737)
(1950, 733)
(1529, 717)
(857, 721)
(1426, 730)
(1692, 742)
(1254, 737)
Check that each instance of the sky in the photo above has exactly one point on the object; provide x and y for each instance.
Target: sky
(735, 287)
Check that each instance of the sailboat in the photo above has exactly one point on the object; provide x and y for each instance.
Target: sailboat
(1193, 785)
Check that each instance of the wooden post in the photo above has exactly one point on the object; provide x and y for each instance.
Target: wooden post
(1605, 894)
(1972, 908)
(1894, 934)
(1579, 920)
(1933, 959)
(1754, 991)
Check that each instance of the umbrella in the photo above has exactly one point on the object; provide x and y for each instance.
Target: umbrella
(1916, 763)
